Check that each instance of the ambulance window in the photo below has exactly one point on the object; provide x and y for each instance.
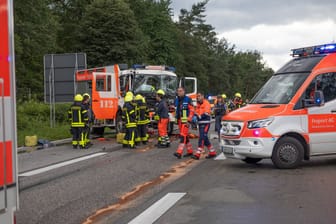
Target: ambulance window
(329, 86)
(326, 83)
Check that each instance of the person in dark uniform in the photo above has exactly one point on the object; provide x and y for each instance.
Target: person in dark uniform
(77, 115)
(163, 119)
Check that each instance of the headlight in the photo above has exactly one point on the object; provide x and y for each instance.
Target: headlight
(259, 123)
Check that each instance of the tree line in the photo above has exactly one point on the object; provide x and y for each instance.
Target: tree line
(131, 31)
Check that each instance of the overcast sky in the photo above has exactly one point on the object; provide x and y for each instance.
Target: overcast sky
(271, 27)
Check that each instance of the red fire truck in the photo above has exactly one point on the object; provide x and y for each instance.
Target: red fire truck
(108, 85)
(8, 155)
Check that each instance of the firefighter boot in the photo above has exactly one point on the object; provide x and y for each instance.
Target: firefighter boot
(198, 153)
(212, 153)
(179, 151)
(190, 150)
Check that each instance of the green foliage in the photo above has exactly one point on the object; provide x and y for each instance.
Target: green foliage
(131, 31)
(110, 33)
(35, 35)
(33, 119)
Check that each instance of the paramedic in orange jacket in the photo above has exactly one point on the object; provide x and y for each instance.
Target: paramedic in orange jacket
(203, 116)
(184, 115)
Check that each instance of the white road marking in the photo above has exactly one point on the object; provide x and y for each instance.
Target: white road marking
(54, 166)
(221, 156)
(155, 211)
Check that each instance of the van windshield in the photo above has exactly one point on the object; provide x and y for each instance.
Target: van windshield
(279, 89)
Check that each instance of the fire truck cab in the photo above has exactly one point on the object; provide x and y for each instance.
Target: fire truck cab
(108, 86)
(8, 154)
(293, 116)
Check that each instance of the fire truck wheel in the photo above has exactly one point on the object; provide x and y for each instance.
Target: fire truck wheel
(288, 153)
(250, 160)
(98, 131)
(119, 124)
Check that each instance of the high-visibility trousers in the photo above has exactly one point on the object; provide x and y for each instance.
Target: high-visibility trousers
(184, 132)
(163, 126)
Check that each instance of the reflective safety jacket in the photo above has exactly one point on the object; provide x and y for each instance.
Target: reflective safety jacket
(238, 102)
(162, 109)
(77, 115)
(129, 115)
(90, 114)
(184, 109)
(142, 113)
(203, 111)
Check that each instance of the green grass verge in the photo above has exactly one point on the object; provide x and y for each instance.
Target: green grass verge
(43, 131)
(33, 119)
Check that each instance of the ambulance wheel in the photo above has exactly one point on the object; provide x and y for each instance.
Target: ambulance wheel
(250, 160)
(170, 128)
(288, 153)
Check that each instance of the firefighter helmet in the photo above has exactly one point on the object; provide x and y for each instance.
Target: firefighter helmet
(223, 96)
(86, 95)
(138, 97)
(238, 95)
(78, 98)
(128, 98)
(129, 93)
(160, 92)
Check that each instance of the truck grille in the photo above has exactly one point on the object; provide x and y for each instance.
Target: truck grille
(232, 128)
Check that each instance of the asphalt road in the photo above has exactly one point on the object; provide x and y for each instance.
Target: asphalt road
(121, 184)
(235, 193)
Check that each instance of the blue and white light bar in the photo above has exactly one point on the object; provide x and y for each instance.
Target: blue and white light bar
(154, 67)
(314, 50)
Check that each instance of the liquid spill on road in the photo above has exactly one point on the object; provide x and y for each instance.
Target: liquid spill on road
(175, 172)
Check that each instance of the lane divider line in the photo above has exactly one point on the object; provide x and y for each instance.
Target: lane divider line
(155, 211)
(58, 165)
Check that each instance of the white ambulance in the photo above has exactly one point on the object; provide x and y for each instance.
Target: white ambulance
(293, 116)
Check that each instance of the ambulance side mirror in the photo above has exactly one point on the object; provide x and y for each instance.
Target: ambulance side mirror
(319, 98)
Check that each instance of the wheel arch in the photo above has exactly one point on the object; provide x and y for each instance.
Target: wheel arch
(301, 139)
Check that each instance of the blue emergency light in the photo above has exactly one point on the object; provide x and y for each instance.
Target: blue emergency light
(314, 50)
(138, 66)
(171, 68)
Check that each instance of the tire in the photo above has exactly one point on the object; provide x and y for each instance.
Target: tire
(98, 131)
(288, 153)
(170, 128)
(119, 124)
(250, 160)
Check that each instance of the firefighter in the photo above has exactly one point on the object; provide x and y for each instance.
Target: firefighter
(163, 119)
(78, 117)
(87, 106)
(129, 118)
(142, 114)
(237, 101)
(203, 115)
(219, 111)
(184, 115)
